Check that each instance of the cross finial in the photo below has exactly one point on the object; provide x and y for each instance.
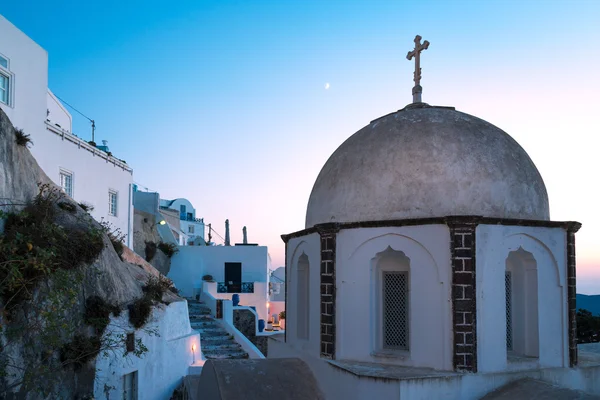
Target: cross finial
(416, 53)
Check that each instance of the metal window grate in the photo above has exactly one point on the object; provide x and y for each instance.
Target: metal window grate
(508, 291)
(395, 310)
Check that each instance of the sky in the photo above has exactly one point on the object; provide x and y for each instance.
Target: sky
(236, 105)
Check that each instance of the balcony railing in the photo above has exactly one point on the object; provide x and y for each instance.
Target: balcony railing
(243, 287)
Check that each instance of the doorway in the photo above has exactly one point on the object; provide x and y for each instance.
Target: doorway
(233, 277)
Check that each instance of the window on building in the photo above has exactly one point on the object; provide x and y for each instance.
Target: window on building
(521, 295)
(130, 385)
(190, 228)
(130, 342)
(4, 81)
(112, 203)
(392, 301)
(182, 211)
(303, 287)
(66, 182)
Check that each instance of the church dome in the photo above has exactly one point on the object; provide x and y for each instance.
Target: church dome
(426, 161)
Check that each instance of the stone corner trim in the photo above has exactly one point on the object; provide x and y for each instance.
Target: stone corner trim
(327, 273)
(572, 294)
(464, 306)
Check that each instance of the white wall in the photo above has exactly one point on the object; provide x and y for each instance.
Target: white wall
(548, 247)
(58, 115)
(94, 173)
(430, 311)
(160, 371)
(257, 299)
(28, 64)
(192, 262)
(311, 246)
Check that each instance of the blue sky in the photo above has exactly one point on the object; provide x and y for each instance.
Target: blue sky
(224, 102)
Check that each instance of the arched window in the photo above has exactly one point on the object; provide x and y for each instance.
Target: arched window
(392, 294)
(521, 294)
(302, 291)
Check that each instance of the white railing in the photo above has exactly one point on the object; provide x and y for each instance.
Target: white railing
(227, 323)
(82, 144)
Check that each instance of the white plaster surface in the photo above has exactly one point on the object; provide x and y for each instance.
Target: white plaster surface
(257, 299)
(427, 162)
(548, 246)
(311, 246)
(161, 370)
(430, 322)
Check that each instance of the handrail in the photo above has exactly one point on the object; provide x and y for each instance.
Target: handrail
(85, 145)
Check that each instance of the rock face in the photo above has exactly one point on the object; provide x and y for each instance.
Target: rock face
(115, 281)
(144, 231)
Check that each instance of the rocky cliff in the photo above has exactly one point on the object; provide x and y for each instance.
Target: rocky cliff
(61, 277)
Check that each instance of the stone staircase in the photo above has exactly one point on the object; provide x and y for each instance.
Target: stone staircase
(216, 342)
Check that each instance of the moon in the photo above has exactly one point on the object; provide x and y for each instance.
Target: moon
(327, 86)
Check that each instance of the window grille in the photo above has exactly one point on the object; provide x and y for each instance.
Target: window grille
(508, 291)
(395, 310)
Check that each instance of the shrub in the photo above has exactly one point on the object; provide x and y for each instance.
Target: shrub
(157, 286)
(115, 236)
(140, 311)
(79, 351)
(150, 250)
(207, 278)
(282, 315)
(86, 206)
(97, 313)
(22, 139)
(65, 205)
(34, 245)
(168, 248)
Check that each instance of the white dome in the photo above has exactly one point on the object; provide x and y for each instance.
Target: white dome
(426, 161)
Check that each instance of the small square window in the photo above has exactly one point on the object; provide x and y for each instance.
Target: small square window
(112, 203)
(130, 342)
(66, 182)
(3, 62)
(190, 228)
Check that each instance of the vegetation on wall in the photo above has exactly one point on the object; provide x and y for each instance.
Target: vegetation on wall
(86, 206)
(208, 278)
(116, 237)
(168, 248)
(154, 289)
(45, 250)
(150, 250)
(22, 139)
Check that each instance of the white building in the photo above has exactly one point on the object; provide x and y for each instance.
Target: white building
(192, 227)
(428, 252)
(85, 172)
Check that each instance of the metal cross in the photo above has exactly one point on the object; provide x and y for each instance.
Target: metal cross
(416, 53)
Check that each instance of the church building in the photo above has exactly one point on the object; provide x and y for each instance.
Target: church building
(429, 266)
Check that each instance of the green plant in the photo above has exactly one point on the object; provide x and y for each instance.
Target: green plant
(92, 143)
(22, 139)
(79, 351)
(108, 153)
(86, 206)
(170, 249)
(150, 250)
(208, 278)
(67, 206)
(282, 315)
(97, 313)
(116, 237)
(155, 287)
(140, 311)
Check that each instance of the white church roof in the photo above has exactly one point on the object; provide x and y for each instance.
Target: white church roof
(426, 161)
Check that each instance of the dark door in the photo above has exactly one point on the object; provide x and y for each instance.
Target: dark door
(233, 277)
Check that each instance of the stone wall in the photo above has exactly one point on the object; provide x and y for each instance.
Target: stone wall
(244, 321)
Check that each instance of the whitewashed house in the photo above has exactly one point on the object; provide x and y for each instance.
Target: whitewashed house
(85, 172)
(192, 228)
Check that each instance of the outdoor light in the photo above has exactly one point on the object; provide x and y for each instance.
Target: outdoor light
(162, 222)
(194, 353)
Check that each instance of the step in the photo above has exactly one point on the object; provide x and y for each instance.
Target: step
(212, 333)
(216, 342)
(225, 346)
(204, 325)
(221, 336)
(224, 355)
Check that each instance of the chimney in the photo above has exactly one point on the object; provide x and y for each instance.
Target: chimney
(105, 143)
(227, 242)
(245, 233)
